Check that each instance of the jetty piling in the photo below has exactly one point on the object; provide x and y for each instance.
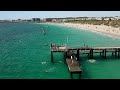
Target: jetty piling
(100, 53)
(112, 53)
(104, 53)
(91, 53)
(78, 54)
(115, 53)
(65, 56)
(118, 53)
(51, 56)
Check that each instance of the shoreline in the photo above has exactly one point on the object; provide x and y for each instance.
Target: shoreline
(99, 29)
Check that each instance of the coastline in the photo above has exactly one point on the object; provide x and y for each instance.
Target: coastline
(100, 29)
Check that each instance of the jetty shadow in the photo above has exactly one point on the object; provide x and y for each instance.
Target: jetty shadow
(98, 57)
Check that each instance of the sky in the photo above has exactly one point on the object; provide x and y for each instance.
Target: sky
(5, 15)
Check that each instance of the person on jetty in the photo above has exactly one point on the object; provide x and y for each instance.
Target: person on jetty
(72, 60)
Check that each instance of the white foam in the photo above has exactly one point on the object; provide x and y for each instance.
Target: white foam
(43, 62)
(92, 60)
(46, 70)
(61, 61)
(49, 70)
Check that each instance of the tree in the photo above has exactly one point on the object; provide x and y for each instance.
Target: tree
(102, 18)
(109, 19)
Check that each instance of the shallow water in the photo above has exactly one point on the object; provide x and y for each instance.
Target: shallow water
(25, 52)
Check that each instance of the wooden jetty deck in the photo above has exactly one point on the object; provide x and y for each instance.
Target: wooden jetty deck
(73, 67)
(94, 48)
(77, 51)
(55, 48)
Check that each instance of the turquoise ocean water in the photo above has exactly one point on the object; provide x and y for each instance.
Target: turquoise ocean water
(25, 52)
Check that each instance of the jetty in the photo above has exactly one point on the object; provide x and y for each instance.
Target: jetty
(72, 55)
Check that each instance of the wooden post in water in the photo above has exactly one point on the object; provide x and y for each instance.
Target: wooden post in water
(51, 45)
(91, 53)
(51, 53)
(69, 53)
(65, 56)
(105, 53)
(100, 53)
(118, 53)
(115, 53)
(78, 54)
(71, 75)
(112, 53)
(51, 56)
(88, 55)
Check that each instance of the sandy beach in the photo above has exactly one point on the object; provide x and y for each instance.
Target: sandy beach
(101, 29)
